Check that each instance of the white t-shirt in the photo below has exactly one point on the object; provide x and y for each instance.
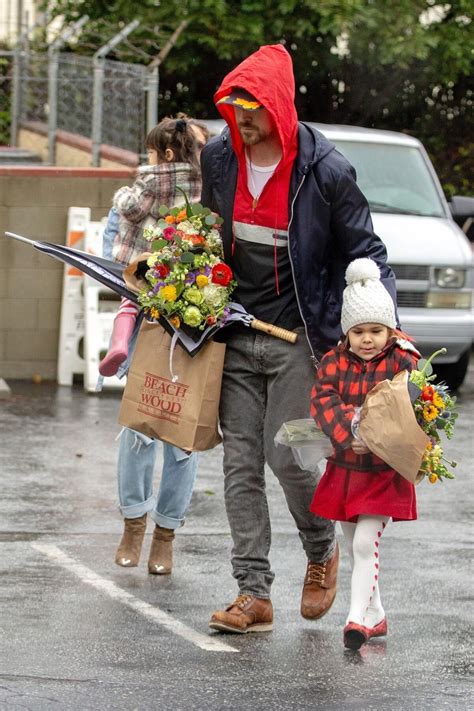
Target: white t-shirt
(258, 176)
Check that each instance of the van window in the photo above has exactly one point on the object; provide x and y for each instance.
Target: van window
(393, 178)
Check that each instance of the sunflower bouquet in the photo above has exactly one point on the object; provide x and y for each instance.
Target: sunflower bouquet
(401, 421)
(187, 281)
(435, 411)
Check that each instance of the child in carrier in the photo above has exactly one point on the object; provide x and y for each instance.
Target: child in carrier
(173, 162)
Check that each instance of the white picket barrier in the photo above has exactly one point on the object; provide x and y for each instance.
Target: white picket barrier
(100, 306)
(88, 310)
(71, 330)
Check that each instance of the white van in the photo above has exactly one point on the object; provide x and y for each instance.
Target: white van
(429, 253)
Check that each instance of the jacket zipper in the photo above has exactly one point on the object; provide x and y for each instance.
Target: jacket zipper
(313, 357)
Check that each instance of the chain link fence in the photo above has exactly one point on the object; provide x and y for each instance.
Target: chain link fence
(31, 83)
(124, 105)
(59, 91)
(5, 93)
(74, 95)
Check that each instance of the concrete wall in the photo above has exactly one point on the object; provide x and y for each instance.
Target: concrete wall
(34, 203)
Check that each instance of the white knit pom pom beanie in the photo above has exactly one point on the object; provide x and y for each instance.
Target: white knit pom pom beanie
(365, 299)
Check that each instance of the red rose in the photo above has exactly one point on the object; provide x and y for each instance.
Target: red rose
(161, 270)
(221, 274)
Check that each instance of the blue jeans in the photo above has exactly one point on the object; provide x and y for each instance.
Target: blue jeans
(137, 453)
(136, 467)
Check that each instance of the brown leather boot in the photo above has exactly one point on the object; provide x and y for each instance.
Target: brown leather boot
(160, 561)
(246, 614)
(128, 552)
(319, 587)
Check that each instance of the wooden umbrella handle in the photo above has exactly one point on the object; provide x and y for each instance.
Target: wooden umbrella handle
(276, 331)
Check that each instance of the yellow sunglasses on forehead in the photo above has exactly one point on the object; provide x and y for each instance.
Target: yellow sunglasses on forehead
(242, 99)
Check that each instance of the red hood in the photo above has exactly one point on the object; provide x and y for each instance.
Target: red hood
(268, 75)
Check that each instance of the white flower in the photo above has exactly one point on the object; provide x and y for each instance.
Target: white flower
(187, 227)
(214, 295)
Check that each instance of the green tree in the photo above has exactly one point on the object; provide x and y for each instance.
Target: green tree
(402, 65)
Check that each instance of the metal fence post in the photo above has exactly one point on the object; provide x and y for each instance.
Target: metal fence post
(153, 79)
(20, 50)
(53, 65)
(154, 67)
(97, 104)
(98, 90)
(52, 102)
(15, 104)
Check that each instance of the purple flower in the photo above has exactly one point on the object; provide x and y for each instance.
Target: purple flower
(225, 315)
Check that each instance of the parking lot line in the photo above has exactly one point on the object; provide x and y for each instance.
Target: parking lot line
(152, 612)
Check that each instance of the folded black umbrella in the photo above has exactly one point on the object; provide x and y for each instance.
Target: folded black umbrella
(102, 270)
(110, 274)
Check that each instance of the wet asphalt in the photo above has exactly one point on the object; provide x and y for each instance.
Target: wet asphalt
(78, 632)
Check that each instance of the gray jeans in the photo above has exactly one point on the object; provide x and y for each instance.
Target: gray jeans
(266, 382)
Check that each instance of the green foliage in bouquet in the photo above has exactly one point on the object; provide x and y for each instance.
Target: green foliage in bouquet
(188, 281)
(435, 411)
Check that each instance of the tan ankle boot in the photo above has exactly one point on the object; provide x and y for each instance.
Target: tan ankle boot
(160, 561)
(128, 552)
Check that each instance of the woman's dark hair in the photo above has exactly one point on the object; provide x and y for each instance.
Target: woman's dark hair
(178, 135)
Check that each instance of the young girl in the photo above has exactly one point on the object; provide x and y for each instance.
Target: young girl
(173, 161)
(359, 489)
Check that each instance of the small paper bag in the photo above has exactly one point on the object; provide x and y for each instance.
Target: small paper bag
(389, 428)
(183, 413)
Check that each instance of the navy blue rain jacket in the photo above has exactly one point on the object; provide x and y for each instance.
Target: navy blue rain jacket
(330, 226)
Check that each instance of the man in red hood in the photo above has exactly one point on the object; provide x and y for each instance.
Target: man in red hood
(293, 220)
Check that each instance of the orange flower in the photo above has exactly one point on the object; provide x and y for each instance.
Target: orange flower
(427, 393)
(181, 216)
(170, 219)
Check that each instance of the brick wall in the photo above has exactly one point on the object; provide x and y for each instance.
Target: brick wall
(34, 203)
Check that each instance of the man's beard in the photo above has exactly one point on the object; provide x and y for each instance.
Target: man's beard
(253, 137)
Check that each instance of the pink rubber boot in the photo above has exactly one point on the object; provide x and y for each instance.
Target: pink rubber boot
(118, 350)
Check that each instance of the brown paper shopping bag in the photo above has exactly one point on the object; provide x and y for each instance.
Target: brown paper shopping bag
(389, 428)
(183, 413)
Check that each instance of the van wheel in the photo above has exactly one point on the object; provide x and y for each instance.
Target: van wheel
(453, 373)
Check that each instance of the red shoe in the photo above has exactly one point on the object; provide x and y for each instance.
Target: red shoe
(355, 635)
(380, 630)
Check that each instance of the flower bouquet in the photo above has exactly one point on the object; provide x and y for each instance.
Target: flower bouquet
(434, 409)
(400, 422)
(184, 278)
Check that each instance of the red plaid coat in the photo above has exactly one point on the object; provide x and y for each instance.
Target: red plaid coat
(342, 382)
(138, 205)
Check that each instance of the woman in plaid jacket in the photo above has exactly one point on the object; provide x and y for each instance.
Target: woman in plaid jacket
(173, 149)
(359, 489)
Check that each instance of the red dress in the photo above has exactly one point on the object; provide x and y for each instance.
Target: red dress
(357, 484)
(343, 494)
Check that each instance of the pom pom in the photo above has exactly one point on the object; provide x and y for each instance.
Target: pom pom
(361, 269)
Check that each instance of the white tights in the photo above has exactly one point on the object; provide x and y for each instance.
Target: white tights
(362, 540)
